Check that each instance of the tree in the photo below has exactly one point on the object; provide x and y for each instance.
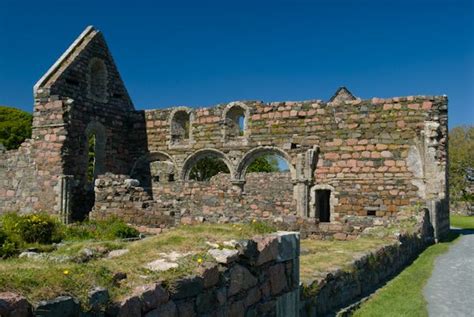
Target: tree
(15, 127)
(461, 161)
(265, 163)
(91, 155)
(207, 167)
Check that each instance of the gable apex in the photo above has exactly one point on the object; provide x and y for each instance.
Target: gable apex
(55, 67)
(342, 94)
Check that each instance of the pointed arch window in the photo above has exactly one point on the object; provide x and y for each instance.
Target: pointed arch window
(97, 80)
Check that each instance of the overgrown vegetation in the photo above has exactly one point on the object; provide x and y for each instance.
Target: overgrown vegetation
(48, 277)
(15, 127)
(91, 158)
(403, 296)
(18, 232)
(461, 159)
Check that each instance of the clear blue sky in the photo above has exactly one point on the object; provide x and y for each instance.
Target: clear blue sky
(201, 53)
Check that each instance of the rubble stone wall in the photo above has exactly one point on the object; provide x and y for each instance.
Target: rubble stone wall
(266, 196)
(260, 279)
(364, 146)
(121, 197)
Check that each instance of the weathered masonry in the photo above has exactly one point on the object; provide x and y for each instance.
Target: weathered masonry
(347, 157)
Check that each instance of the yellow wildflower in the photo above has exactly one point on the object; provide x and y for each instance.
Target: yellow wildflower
(66, 272)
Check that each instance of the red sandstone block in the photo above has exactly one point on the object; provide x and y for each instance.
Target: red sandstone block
(351, 142)
(369, 163)
(387, 106)
(365, 154)
(331, 156)
(414, 106)
(381, 147)
(352, 163)
(401, 124)
(10, 193)
(375, 155)
(427, 105)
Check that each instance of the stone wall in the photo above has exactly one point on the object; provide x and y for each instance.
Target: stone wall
(31, 176)
(261, 278)
(364, 146)
(267, 196)
(375, 156)
(121, 197)
(343, 287)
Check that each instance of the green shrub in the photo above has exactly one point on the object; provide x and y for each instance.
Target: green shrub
(121, 230)
(7, 247)
(32, 228)
(110, 229)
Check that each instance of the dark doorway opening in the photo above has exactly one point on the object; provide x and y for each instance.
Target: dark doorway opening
(322, 205)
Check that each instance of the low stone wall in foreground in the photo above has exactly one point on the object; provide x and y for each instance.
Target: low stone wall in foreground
(260, 277)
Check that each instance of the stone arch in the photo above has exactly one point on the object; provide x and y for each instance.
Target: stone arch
(251, 155)
(230, 116)
(143, 170)
(181, 125)
(97, 80)
(200, 154)
(333, 201)
(98, 130)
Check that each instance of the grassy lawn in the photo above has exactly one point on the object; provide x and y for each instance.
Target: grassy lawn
(39, 279)
(464, 222)
(320, 256)
(403, 296)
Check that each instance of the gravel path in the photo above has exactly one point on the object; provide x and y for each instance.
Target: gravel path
(450, 290)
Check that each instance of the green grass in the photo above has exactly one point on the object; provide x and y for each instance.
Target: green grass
(463, 222)
(403, 296)
(320, 256)
(45, 278)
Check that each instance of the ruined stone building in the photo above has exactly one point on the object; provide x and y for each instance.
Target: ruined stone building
(348, 158)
